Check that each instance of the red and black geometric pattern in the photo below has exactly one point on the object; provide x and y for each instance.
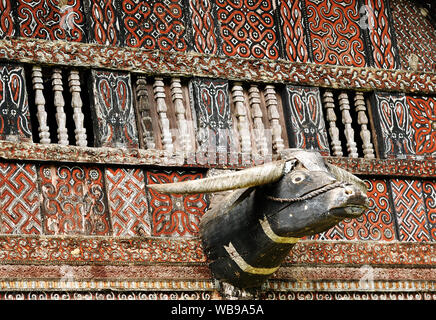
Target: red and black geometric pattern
(423, 115)
(293, 26)
(14, 108)
(6, 19)
(175, 215)
(393, 125)
(248, 29)
(51, 19)
(376, 224)
(205, 34)
(73, 200)
(305, 120)
(429, 191)
(335, 34)
(113, 112)
(19, 199)
(379, 28)
(154, 24)
(409, 209)
(127, 201)
(103, 22)
(415, 35)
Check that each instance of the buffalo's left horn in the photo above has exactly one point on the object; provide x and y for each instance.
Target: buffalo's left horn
(256, 176)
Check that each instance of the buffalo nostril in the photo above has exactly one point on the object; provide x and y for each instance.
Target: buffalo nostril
(349, 191)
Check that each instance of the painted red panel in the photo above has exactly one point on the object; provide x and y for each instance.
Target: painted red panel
(423, 116)
(175, 214)
(293, 30)
(52, 20)
(248, 29)
(335, 33)
(74, 201)
(19, 204)
(410, 211)
(429, 191)
(204, 29)
(376, 224)
(154, 24)
(127, 201)
(379, 27)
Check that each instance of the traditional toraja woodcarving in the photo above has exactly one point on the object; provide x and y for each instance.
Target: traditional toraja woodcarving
(249, 234)
(38, 152)
(188, 64)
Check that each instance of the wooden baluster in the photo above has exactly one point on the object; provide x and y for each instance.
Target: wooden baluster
(76, 104)
(329, 106)
(159, 95)
(144, 114)
(256, 114)
(273, 117)
(241, 115)
(362, 119)
(59, 102)
(38, 86)
(177, 97)
(344, 106)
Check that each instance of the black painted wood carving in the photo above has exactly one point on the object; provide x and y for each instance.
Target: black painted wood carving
(393, 125)
(211, 108)
(304, 119)
(113, 112)
(14, 107)
(248, 234)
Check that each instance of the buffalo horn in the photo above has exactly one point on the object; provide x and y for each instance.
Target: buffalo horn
(251, 177)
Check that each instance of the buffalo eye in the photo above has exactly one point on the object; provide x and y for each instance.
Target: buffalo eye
(298, 178)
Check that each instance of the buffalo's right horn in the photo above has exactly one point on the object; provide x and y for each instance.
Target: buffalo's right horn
(256, 176)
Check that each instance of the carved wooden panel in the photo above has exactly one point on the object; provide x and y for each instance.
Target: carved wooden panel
(377, 24)
(14, 108)
(392, 121)
(104, 22)
(293, 24)
(429, 192)
(205, 30)
(211, 109)
(19, 199)
(7, 19)
(248, 28)
(113, 112)
(376, 224)
(175, 214)
(335, 34)
(155, 24)
(73, 200)
(415, 34)
(127, 202)
(51, 19)
(304, 119)
(423, 123)
(410, 212)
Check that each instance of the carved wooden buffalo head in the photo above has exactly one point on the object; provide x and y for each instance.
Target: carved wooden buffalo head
(248, 234)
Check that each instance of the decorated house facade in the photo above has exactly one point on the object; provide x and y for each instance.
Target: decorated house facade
(100, 99)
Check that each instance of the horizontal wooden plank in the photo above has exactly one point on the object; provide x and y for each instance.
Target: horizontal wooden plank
(74, 54)
(13, 151)
(105, 250)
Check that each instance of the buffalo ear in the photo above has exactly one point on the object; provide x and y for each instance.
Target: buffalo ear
(251, 177)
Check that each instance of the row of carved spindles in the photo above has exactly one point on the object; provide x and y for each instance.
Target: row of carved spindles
(347, 121)
(59, 103)
(250, 107)
(251, 131)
